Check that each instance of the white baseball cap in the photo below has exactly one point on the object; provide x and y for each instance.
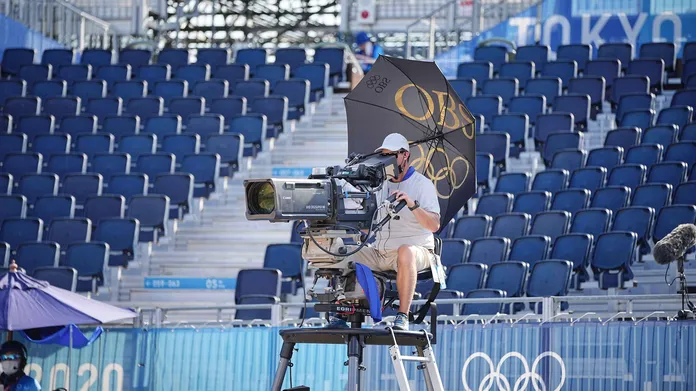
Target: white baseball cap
(394, 142)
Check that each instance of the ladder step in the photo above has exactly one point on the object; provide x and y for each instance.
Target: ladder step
(415, 358)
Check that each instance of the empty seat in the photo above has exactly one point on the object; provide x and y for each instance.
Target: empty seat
(173, 57)
(170, 89)
(152, 211)
(272, 73)
(472, 227)
(50, 207)
(146, 107)
(483, 308)
(155, 164)
(105, 107)
(511, 225)
(78, 124)
(477, 70)
(22, 106)
(50, 144)
(14, 59)
(60, 277)
(205, 168)
(36, 255)
(109, 164)
(627, 85)
(82, 185)
(181, 144)
(552, 123)
(685, 97)
(100, 207)
(509, 277)
(32, 73)
(486, 105)
(229, 107)
(497, 144)
(576, 249)
(669, 217)
(612, 198)
(122, 236)
(523, 71)
(252, 89)
(465, 88)
(128, 185)
(47, 88)
(592, 221)
(513, 183)
(89, 260)
(685, 193)
(92, 144)
(15, 231)
(634, 101)
(213, 56)
(638, 219)
(13, 206)
(530, 249)
(87, 90)
(136, 145)
(630, 175)
(466, 277)
(516, 125)
(251, 57)
(484, 169)
(275, 108)
(128, 90)
(248, 292)
(232, 73)
(193, 73)
(549, 278)
(494, 204)
(187, 107)
(154, 73)
(552, 224)
(580, 53)
(606, 157)
(653, 195)
(645, 154)
(676, 115)
(205, 125)
(12, 143)
(489, 250)
(532, 202)
(19, 164)
(607, 68)
(496, 55)
(532, 105)
(334, 57)
(33, 186)
(577, 104)
(211, 89)
(61, 107)
(551, 180)
(113, 73)
(506, 88)
(559, 141)
(65, 231)
(571, 200)
(163, 125)
(286, 257)
(592, 86)
(454, 252)
(612, 258)
(134, 57)
(11, 88)
(653, 68)
(672, 173)
(538, 54)
(623, 137)
(179, 188)
(590, 178)
(67, 163)
(77, 73)
(297, 92)
(230, 147)
(684, 151)
(616, 51)
(96, 57)
(562, 69)
(640, 119)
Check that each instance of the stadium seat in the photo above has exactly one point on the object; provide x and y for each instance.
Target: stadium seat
(484, 169)
(663, 50)
(466, 277)
(179, 188)
(532, 105)
(6, 124)
(187, 107)
(623, 137)
(472, 227)
(100, 207)
(676, 115)
(511, 225)
(19, 164)
(229, 107)
(590, 178)
(672, 173)
(33, 186)
(50, 144)
(552, 123)
(122, 237)
(108, 164)
(549, 278)
(146, 108)
(297, 92)
(247, 294)
(486, 105)
(61, 107)
(627, 85)
(154, 73)
(516, 125)
(685, 193)
(523, 71)
(489, 250)
(11, 88)
(334, 57)
(477, 70)
(570, 200)
(496, 55)
(538, 54)
(559, 141)
(509, 277)
(483, 309)
(685, 97)
(77, 74)
(634, 101)
(113, 73)
(211, 89)
(92, 144)
(552, 224)
(155, 164)
(181, 144)
(232, 73)
(96, 57)
(607, 68)
(576, 249)
(646, 154)
(275, 108)
(12, 143)
(32, 73)
(170, 89)
(689, 52)
(50, 207)
(89, 260)
(13, 206)
(82, 185)
(273, 73)
(494, 204)
(15, 231)
(287, 258)
(22, 106)
(253, 128)
(687, 132)
(607, 157)
(173, 57)
(688, 71)
(164, 125)
(592, 86)
(251, 57)
(47, 88)
(551, 180)
(454, 252)
(78, 124)
(612, 198)
(465, 88)
(33, 255)
(562, 69)
(592, 221)
(67, 163)
(6, 183)
(549, 87)
(506, 88)
(579, 53)
(230, 147)
(530, 249)
(616, 51)
(653, 68)
(480, 123)
(205, 168)
(684, 151)
(630, 175)
(213, 56)
(638, 219)
(612, 258)
(577, 104)
(205, 125)
(640, 119)
(58, 57)
(532, 202)
(652, 195)
(87, 90)
(105, 107)
(513, 183)
(669, 217)
(192, 74)
(498, 145)
(59, 277)
(128, 90)
(129, 185)
(252, 89)
(152, 211)
(136, 145)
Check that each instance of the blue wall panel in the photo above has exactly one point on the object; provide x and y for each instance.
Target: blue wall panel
(14, 34)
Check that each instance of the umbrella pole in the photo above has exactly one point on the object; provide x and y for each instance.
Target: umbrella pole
(70, 355)
(10, 335)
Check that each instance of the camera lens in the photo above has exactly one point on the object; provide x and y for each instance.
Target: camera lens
(261, 198)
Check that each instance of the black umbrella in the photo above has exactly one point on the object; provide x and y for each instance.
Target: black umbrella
(415, 99)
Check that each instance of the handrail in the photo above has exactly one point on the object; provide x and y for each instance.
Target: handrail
(104, 24)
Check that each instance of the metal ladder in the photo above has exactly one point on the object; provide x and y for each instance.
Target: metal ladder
(425, 356)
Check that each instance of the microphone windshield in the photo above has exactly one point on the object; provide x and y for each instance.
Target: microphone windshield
(675, 244)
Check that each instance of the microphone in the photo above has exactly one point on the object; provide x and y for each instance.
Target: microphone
(673, 246)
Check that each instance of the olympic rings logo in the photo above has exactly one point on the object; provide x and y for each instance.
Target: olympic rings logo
(372, 81)
(522, 383)
(424, 162)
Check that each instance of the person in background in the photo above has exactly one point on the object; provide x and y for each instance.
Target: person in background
(368, 51)
(13, 357)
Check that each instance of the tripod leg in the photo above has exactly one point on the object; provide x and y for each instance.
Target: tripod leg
(285, 357)
(354, 356)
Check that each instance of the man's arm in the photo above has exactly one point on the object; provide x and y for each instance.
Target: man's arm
(429, 220)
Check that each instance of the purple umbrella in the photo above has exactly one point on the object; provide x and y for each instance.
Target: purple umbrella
(26, 303)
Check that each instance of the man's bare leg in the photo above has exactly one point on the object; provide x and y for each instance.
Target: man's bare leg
(406, 277)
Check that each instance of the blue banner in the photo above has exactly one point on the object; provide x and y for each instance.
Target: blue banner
(291, 172)
(16, 35)
(190, 283)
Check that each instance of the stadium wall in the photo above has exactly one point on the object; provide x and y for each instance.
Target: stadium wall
(16, 35)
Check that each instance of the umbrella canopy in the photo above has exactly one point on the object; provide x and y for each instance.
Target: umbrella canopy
(26, 303)
(415, 99)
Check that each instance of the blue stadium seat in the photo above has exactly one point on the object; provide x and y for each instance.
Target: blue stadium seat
(154, 73)
(466, 277)
(50, 144)
(569, 159)
(465, 88)
(6, 183)
(652, 195)
(623, 137)
(592, 221)
(47, 88)
(576, 249)
(13, 206)
(627, 85)
(297, 92)
(532, 105)
(570, 200)
(489, 250)
(530, 249)
(516, 125)
(173, 57)
(22, 106)
(561, 140)
(193, 73)
(89, 260)
(663, 50)
(179, 188)
(592, 86)
(549, 87)
(186, 107)
(82, 186)
(6, 124)
(138, 144)
(653, 68)
(634, 101)
(211, 89)
(486, 105)
(163, 125)
(496, 55)
(549, 278)
(88, 90)
(67, 163)
(477, 70)
(15, 231)
(105, 107)
(612, 258)
(494, 204)
(552, 224)
(562, 69)
(32, 256)
(616, 51)
(275, 108)
(92, 144)
(611, 197)
(96, 57)
(523, 71)
(483, 309)
(12, 143)
(66, 231)
(497, 144)
(108, 164)
(506, 88)
(229, 107)
(129, 185)
(32, 73)
(11, 88)
(249, 314)
(472, 227)
(638, 219)
(181, 144)
(551, 180)
(155, 164)
(251, 57)
(551, 123)
(33, 186)
(511, 225)
(577, 104)
(61, 107)
(607, 68)
(169, 90)
(205, 168)
(100, 207)
(607, 157)
(78, 124)
(334, 57)
(580, 53)
(205, 125)
(538, 54)
(58, 57)
(122, 237)
(689, 52)
(640, 119)
(253, 128)
(677, 115)
(684, 151)
(685, 193)
(232, 73)
(128, 90)
(532, 202)
(509, 277)
(248, 293)
(213, 56)
(19, 164)
(286, 257)
(59, 277)
(134, 57)
(146, 108)
(113, 73)
(272, 73)
(685, 97)
(645, 154)
(669, 217)
(230, 147)
(688, 72)
(672, 173)
(14, 58)
(513, 183)
(252, 89)
(76, 74)
(50, 207)
(152, 211)
(484, 169)
(454, 252)
(590, 178)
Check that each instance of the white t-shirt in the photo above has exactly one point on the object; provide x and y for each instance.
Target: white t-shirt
(407, 230)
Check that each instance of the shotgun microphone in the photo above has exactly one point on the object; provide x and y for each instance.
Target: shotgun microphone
(673, 246)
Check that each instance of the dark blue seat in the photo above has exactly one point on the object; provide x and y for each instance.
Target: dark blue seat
(163, 125)
(688, 71)
(229, 107)
(92, 144)
(13, 206)
(576, 249)
(6, 124)
(181, 144)
(12, 143)
(61, 107)
(248, 314)
(232, 73)
(273, 73)
(193, 73)
(592, 86)
(516, 125)
(484, 169)
(570, 200)
(689, 52)
(627, 85)
(15, 231)
(569, 159)
(334, 57)
(559, 141)
(154, 73)
(513, 183)
(653, 68)
(662, 50)
(590, 178)
(76, 74)
(607, 68)
(146, 108)
(551, 180)
(496, 55)
(489, 250)
(67, 163)
(611, 197)
(549, 87)
(113, 73)
(511, 225)
(156, 164)
(138, 144)
(22, 106)
(532, 202)
(551, 123)
(592, 221)
(523, 71)
(552, 224)
(640, 119)
(486, 105)
(11, 88)
(230, 147)
(82, 186)
(286, 257)
(669, 217)
(638, 219)
(121, 126)
(616, 51)
(472, 227)
(684, 151)
(33, 186)
(252, 88)
(152, 211)
(538, 54)
(32, 256)
(509, 277)
(134, 57)
(494, 204)
(122, 237)
(577, 104)
(672, 173)
(14, 59)
(607, 157)
(88, 90)
(454, 252)
(65, 231)
(532, 105)
(169, 89)
(211, 89)
(465, 88)
(685, 193)
(530, 249)
(47, 88)
(580, 53)
(50, 144)
(129, 185)
(506, 88)
(128, 90)
(6, 183)
(497, 144)
(100, 207)
(612, 258)
(50, 207)
(562, 69)
(477, 70)
(634, 101)
(247, 293)
(483, 309)
(466, 277)
(549, 278)
(59, 277)
(251, 57)
(108, 164)
(205, 168)
(173, 57)
(89, 260)
(96, 57)
(78, 124)
(205, 125)
(297, 92)
(685, 97)
(652, 195)
(106, 107)
(19, 164)
(623, 137)
(187, 107)
(275, 108)
(645, 154)
(676, 115)
(213, 56)
(58, 57)
(32, 73)
(179, 188)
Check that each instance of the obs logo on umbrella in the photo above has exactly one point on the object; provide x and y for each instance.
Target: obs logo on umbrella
(423, 162)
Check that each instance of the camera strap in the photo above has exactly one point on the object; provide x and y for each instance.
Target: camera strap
(417, 317)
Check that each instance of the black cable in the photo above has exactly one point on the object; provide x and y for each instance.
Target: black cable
(304, 295)
(360, 247)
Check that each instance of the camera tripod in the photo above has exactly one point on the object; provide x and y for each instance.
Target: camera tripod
(688, 309)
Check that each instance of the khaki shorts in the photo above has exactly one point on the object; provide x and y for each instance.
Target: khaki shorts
(386, 260)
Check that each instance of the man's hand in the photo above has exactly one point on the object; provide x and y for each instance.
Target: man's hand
(429, 220)
(400, 195)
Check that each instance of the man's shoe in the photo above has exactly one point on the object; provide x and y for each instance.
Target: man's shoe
(336, 323)
(401, 322)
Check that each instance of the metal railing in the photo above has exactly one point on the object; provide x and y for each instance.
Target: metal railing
(60, 21)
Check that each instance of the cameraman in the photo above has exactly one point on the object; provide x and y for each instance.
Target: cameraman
(405, 245)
